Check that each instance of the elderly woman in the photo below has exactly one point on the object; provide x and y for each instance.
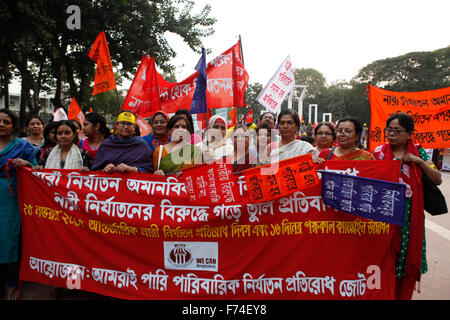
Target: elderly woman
(159, 134)
(411, 262)
(21, 153)
(289, 147)
(215, 145)
(348, 132)
(123, 151)
(179, 153)
(325, 135)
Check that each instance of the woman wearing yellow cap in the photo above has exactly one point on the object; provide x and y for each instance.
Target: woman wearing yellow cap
(123, 151)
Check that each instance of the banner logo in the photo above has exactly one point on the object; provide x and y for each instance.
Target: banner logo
(191, 255)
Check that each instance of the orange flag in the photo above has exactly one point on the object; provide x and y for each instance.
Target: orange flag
(232, 114)
(75, 111)
(104, 75)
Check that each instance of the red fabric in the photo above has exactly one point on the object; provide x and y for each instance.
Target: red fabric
(143, 96)
(226, 83)
(282, 249)
(413, 261)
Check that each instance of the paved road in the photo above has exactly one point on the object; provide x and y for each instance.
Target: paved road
(435, 284)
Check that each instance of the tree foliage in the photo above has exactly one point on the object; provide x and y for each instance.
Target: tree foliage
(48, 55)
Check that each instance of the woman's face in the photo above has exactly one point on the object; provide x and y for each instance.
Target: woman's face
(65, 136)
(324, 137)
(263, 139)
(396, 134)
(6, 125)
(346, 135)
(159, 124)
(125, 129)
(241, 140)
(287, 127)
(179, 132)
(35, 127)
(89, 129)
(220, 127)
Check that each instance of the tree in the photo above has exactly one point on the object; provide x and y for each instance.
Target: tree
(416, 71)
(36, 37)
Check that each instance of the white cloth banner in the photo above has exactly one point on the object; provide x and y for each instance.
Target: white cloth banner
(282, 82)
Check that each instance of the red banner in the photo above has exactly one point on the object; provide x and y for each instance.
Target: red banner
(227, 80)
(429, 109)
(134, 236)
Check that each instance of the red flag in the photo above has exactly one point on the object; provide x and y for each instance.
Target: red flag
(75, 112)
(104, 75)
(144, 127)
(225, 87)
(143, 96)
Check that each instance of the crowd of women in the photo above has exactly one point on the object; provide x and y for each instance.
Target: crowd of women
(173, 146)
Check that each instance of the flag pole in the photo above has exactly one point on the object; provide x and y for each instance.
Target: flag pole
(245, 93)
(118, 101)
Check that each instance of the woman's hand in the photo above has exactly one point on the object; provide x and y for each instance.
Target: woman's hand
(19, 163)
(123, 168)
(37, 168)
(110, 168)
(84, 169)
(408, 158)
(159, 173)
(318, 160)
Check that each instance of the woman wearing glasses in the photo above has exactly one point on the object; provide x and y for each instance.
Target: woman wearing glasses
(348, 132)
(123, 151)
(411, 262)
(325, 135)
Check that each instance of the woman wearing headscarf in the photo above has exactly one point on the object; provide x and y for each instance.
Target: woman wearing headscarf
(123, 151)
(411, 262)
(215, 145)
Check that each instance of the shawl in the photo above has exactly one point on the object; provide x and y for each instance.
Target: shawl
(355, 155)
(17, 148)
(292, 149)
(155, 141)
(74, 160)
(133, 151)
(412, 176)
(171, 162)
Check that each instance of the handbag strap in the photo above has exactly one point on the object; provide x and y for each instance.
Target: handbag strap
(330, 153)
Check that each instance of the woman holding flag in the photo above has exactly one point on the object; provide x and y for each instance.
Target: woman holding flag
(411, 261)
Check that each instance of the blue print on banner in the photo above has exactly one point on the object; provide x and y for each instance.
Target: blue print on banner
(368, 198)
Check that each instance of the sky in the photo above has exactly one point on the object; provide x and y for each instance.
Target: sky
(335, 37)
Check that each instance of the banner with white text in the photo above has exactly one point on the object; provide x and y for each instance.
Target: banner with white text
(136, 236)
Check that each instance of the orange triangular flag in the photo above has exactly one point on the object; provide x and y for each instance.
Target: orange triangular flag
(104, 75)
(232, 115)
(90, 110)
(75, 111)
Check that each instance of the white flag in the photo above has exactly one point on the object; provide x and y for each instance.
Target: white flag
(59, 115)
(282, 82)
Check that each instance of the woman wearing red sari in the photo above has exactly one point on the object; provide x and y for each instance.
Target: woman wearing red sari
(411, 262)
(348, 132)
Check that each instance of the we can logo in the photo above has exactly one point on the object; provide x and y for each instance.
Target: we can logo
(74, 20)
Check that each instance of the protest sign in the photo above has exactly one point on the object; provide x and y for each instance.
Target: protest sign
(135, 236)
(429, 109)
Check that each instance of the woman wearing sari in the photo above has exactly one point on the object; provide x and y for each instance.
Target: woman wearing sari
(348, 132)
(21, 153)
(179, 153)
(411, 262)
(289, 147)
(241, 159)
